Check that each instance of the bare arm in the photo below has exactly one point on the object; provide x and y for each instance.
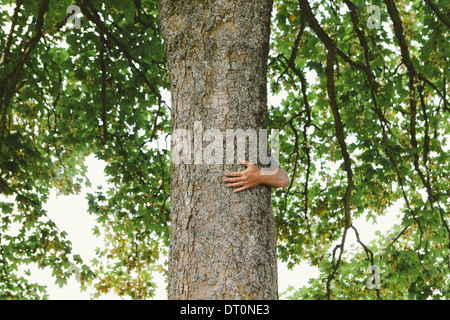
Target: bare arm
(252, 176)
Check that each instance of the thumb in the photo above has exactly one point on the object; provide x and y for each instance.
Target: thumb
(244, 162)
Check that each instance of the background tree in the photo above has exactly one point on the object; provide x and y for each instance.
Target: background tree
(67, 93)
(364, 125)
(379, 110)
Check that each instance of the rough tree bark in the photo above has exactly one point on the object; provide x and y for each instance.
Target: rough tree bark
(222, 244)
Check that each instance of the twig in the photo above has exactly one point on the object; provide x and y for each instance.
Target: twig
(31, 44)
(8, 42)
(439, 15)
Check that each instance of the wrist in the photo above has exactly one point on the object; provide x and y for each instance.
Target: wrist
(262, 178)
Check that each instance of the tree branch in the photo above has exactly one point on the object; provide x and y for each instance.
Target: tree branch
(439, 15)
(103, 89)
(95, 18)
(324, 37)
(413, 77)
(19, 66)
(5, 51)
(291, 64)
(339, 132)
(367, 68)
(345, 155)
(369, 254)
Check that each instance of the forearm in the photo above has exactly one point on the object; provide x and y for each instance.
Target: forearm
(277, 178)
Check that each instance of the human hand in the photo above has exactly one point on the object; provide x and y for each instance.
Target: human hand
(248, 178)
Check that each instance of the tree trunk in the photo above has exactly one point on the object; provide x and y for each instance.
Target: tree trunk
(222, 244)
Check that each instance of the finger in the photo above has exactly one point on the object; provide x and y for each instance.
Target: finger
(232, 179)
(233, 174)
(235, 184)
(244, 162)
(241, 189)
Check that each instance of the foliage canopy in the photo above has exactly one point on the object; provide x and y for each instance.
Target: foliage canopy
(364, 125)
